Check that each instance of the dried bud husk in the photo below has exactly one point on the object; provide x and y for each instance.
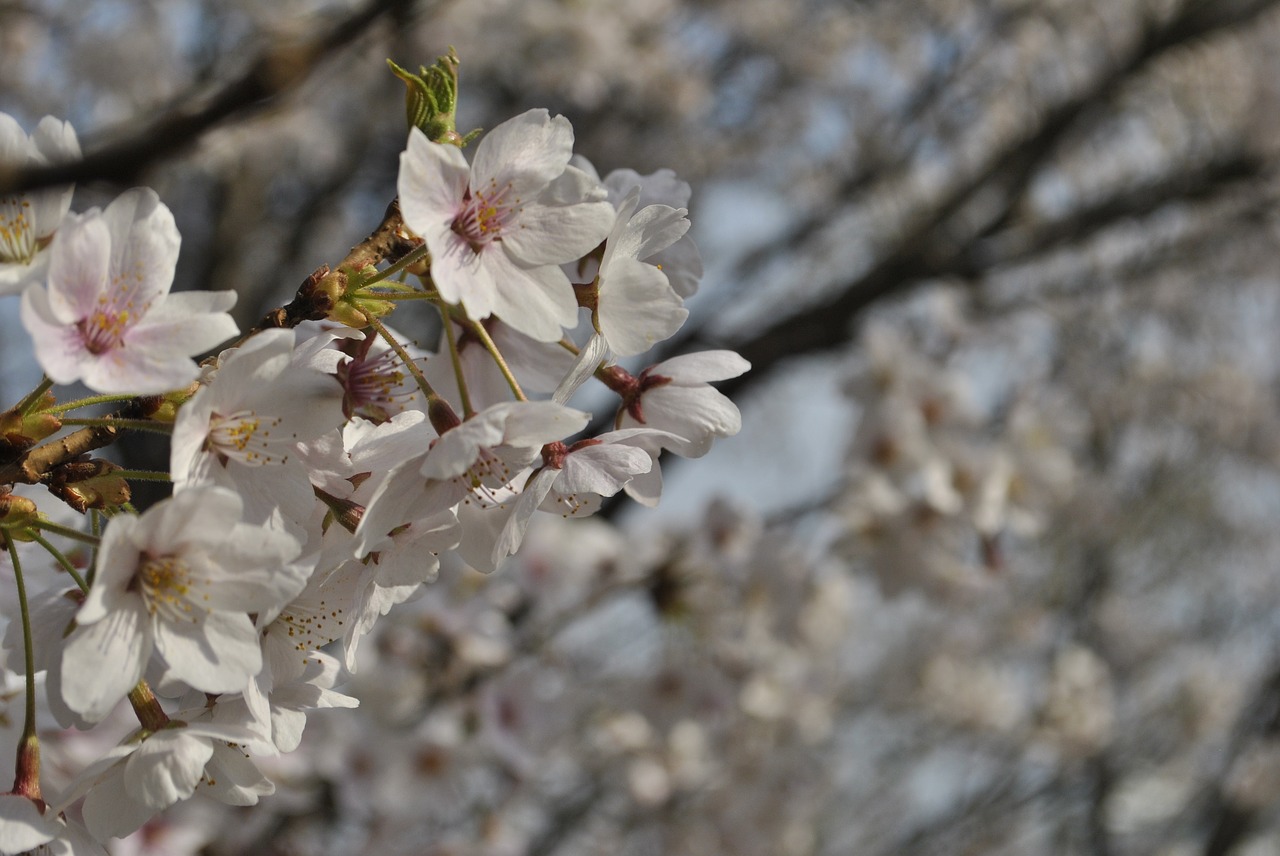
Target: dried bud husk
(89, 484)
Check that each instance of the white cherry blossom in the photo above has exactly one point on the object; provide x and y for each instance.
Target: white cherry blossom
(180, 580)
(241, 431)
(29, 220)
(107, 318)
(498, 230)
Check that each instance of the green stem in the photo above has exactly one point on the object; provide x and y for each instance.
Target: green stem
(113, 422)
(458, 374)
(409, 364)
(143, 475)
(67, 532)
(482, 334)
(61, 559)
(27, 776)
(28, 403)
(408, 260)
(85, 402)
(394, 297)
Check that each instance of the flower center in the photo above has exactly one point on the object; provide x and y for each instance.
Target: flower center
(103, 330)
(17, 238)
(167, 585)
(247, 437)
(485, 214)
(374, 386)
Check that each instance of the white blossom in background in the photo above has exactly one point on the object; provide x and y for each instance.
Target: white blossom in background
(28, 220)
(107, 317)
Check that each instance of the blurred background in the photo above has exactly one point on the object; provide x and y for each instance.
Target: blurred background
(993, 566)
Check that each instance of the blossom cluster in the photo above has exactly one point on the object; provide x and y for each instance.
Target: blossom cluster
(322, 464)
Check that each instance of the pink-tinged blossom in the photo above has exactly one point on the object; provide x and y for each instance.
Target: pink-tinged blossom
(29, 220)
(179, 580)
(498, 230)
(107, 318)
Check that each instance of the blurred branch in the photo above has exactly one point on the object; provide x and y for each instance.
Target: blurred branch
(921, 252)
(1188, 185)
(279, 68)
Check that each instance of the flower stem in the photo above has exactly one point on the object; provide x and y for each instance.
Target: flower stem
(62, 560)
(26, 779)
(409, 364)
(67, 532)
(28, 403)
(146, 707)
(456, 358)
(408, 260)
(112, 421)
(85, 402)
(482, 334)
(143, 475)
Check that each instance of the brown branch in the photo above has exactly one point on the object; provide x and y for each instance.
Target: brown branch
(278, 69)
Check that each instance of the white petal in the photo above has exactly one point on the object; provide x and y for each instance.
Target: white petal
(432, 182)
(79, 263)
(638, 307)
(527, 151)
(144, 246)
(166, 768)
(219, 654)
(102, 661)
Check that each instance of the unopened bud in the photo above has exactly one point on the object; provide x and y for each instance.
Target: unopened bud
(431, 102)
(19, 431)
(16, 511)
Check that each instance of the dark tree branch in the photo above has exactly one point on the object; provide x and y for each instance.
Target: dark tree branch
(921, 252)
(278, 69)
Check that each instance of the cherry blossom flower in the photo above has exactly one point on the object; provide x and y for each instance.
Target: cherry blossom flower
(29, 220)
(241, 431)
(681, 261)
(477, 457)
(636, 306)
(499, 229)
(571, 482)
(149, 772)
(674, 396)
(181, 580)
(108, 318)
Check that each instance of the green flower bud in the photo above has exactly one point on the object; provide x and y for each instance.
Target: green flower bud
(431, 101)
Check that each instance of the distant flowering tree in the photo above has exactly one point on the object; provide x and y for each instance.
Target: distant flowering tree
(321, 464)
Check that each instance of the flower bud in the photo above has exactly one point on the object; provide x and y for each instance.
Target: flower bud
(431, 101)
(19, 431)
